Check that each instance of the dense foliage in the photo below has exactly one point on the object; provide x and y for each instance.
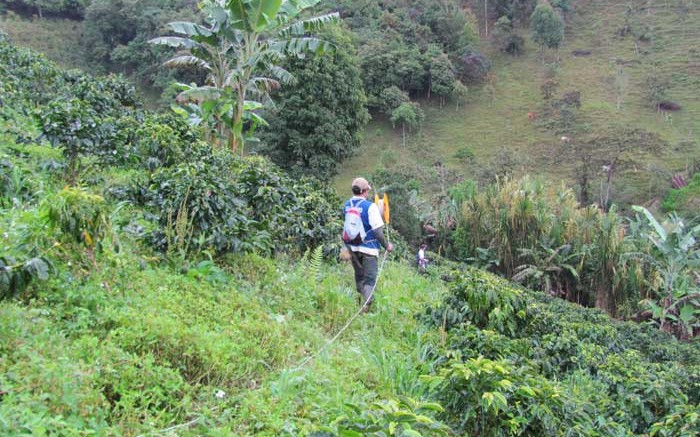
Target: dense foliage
(542, 237)
(222, 203)
(523, 363)
(316, 122)
(225, 204)
(117, 33)
(102, 334)
(241, 48)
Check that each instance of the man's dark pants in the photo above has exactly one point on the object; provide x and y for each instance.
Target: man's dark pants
(365, 267)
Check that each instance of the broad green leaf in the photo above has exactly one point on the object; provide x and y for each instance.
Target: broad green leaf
(652, 221)
(189, 29)
(200, 94)
(423, 419)
(263, 13)
(349, 433)
(527, 391)
(187, 61)
(38, 268)
(310, 25)
(687, 314)
(174, 41)
(432, 406)
(251, 105)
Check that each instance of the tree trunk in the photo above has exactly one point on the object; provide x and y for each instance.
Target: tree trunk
(602, 300)
(486, 17)
(608, 186)
(403, 134)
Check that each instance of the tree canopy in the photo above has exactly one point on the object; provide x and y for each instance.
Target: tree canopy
(318, 119)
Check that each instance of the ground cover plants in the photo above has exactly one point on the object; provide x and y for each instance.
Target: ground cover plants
(521, 362)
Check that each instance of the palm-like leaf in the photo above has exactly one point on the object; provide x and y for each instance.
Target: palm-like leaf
(264, 83)
(293, 7)
(651, 220)
(199, 94)
(252, 15)
(174, 41)
(187, 61)
(314, 24)
(282, 75)
(297, 46)
(191, 30)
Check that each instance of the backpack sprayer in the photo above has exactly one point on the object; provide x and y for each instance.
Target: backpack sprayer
(385, 211)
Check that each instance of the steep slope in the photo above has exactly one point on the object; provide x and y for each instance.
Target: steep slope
(611, 53)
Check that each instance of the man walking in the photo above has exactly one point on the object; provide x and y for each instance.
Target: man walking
(365, 253)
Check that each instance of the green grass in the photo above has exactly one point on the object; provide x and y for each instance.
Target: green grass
(59, 39)
(489, 123)
(497, 120)
(135, 346)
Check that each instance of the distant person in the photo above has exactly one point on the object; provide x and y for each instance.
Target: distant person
(363, 235)
(421, 260)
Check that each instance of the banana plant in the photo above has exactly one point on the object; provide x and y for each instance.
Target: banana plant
(241, 48)
(676, 254)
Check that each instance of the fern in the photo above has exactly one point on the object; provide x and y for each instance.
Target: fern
(312, 260)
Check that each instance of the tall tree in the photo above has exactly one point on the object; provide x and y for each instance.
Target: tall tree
(241, 48)
(442, 77)
(410, 115)
(317, 120)
(547, 26)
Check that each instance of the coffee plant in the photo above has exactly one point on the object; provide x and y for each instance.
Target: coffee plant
(78, 215)
(527, 363)
(15, 276)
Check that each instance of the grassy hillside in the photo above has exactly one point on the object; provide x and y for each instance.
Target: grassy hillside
(60, 40)
(138, 350)
(142, 293)
(662, 42)
(610, 53)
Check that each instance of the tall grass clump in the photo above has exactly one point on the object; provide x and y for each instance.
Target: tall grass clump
(542, 237)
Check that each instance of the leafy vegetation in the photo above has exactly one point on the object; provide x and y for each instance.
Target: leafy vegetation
(317, 121)
(161, 291)
(243, 40)
(520, 362)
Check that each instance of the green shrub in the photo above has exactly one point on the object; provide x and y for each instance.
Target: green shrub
(298, 213)
(683, 421)
(13, 184)
(78, 215)
(73, 126)
(15, 276)
(231, 204)
(484, 300)
(465, 155)
(617, 377)
(401, 417)
(27, 75)
(684, 200)
(164, 140)
(491, 397)
(198, 206)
